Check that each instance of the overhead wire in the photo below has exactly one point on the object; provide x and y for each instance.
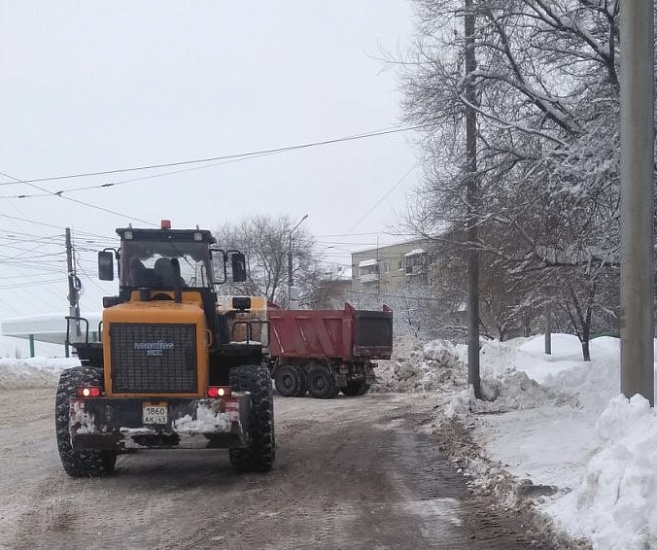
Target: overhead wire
(363, 135)
(207, 163)
(94, 206)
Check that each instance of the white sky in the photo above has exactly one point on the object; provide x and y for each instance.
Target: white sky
(94, 86)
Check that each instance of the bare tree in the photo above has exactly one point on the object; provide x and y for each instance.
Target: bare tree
(266, 243)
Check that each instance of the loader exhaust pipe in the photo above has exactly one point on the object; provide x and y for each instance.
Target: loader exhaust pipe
(177, 289)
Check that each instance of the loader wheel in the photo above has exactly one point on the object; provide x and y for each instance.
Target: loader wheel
(287, 381)
(303, 381)
(88, 463)
(321, 383)
(355, 387)
(260, 454)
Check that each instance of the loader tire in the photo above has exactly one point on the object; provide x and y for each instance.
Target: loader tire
(259, 456)
(287, 381)
(303, 381)
(355, 387)
(88, 463)
(321, 383)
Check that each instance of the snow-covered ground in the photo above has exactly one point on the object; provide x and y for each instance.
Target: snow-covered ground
(552, 421)
(557, 424)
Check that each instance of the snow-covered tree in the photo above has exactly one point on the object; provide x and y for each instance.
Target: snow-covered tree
(547, 103)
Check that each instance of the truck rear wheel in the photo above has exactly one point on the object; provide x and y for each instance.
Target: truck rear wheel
(321, 383)
(260, 454)
(303, 381)
(87, 463)
(355, 387)
(287, 381)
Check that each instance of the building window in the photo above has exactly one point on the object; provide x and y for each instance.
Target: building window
(416, 262)
(368, 271)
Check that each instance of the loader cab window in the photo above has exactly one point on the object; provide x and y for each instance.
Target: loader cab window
(148, 263)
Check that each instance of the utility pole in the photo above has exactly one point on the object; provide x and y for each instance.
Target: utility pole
(548, 329)
(472, 195)
(293, 303)
(73, 287)
(637, 198)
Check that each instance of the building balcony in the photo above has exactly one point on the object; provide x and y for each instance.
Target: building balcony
(369, 278)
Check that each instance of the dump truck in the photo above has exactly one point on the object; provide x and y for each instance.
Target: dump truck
(165, 373)
(323, 352)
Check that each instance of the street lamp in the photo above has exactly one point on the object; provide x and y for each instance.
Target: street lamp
(289, 268)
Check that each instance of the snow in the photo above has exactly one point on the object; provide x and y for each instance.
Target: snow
(34, 372)
(556, 424)
(367, 263)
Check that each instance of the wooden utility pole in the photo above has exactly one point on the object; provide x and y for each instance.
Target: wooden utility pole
(473, 201)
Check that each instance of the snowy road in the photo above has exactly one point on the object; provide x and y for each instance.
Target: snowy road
(357, 473)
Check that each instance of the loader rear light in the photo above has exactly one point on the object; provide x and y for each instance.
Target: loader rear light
(88, 391)
(219, 391)
(165, 224)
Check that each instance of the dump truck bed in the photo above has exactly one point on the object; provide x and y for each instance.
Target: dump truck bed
(347, 334)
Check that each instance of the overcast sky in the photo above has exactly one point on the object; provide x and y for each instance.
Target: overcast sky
(98, 86)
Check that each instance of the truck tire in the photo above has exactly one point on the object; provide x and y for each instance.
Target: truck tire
(321, 383)
(355, 387)
(260, 454)
(88, 463)
(303, 381)
(287, 381)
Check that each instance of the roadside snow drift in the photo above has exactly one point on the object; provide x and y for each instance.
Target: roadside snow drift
(552, 420)
(31, 373)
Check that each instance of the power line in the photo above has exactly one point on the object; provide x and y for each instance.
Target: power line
(385, 195)
(78, 201)
(132, 180)
(364, 135)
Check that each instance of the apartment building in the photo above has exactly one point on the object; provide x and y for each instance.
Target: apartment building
(386, 268)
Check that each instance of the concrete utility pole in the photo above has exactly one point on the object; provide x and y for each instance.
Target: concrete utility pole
(637, 198)
(293, 303)
(474, 378)
(73, 287)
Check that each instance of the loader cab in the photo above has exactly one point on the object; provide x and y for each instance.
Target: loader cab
(169, 258)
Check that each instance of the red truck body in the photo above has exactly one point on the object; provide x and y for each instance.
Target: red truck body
(340, 342)
(347, 334)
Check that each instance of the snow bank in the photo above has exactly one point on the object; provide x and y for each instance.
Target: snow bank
(551, 421)
(616, 503)
(32, 373)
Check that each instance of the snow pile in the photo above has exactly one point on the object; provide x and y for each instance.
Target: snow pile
(582, 453)
(440, 365)
(419, 368)
(31, 373)
(616, 501)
